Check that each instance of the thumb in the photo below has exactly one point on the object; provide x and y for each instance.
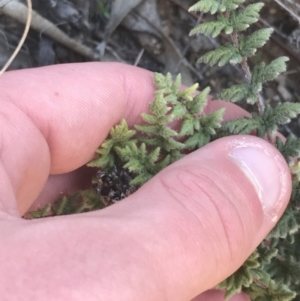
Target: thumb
(200, 218)
(182, 233)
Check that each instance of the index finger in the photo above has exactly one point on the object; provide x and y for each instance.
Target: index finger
(55, 117)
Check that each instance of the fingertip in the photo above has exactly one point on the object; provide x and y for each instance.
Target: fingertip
(75, 105)
(64, 114)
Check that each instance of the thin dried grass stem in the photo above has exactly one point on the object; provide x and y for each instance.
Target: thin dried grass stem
(292, 7)
(23, 38)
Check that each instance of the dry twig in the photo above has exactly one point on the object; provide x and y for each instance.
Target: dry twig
(291, 7)
(19, 11)
(23, 38)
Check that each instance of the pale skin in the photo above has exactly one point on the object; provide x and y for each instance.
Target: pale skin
(176, 238)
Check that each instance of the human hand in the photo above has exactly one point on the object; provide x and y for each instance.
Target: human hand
(179, 235)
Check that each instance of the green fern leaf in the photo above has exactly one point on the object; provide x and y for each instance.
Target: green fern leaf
(287, 225)
(161, 164)
(120, 135)
(242, 19)
(153, 119)
(263, 73)
(206, 6)
(106, 147)
(124, 153)
(213, 6)
(175, 155)
(142, 163)
(249, 44)
(260, 276)
(279, 292)
(165, 85)
(170, 144)
(243, 125)
(187, 127)
(153, 156)
(63, 206)
(241, 278)
(156, 129)
(209, 123)
(103, 161)
(236, 92)
(295, 200)
(43, 212)
(178, 111)
(266, 255)
(212, 28)
(176, 84)
(273, 291)
(160, 81)
(222, 55)
(121, 132)
(188, 92)
(283, 113)
(139, 160)
(199, 102)
(289, 149)
(141, 179)
(232, 4)
(197, 140)
(159, 106)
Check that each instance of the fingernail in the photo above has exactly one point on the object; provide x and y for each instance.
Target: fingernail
(265, 168)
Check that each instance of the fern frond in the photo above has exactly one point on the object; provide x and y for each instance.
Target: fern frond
(163, 83)
(159, 106)
(212, 28)
(236, 92)
(286, 270)
(249, 44)
(274, 291)
(43, 212)
(187, 127)
(287, 225)
(241, 278)
(295, 199)
(120, 135)
(197, 140)
(187, 94)
(156, 129)
(178, 111)
(199, 102)
(283, 113)
(262, 124)
(290, 149)
(240, 20)
(263, 73)
(62, 207)
(209, 123)
(266, 254)
(243, 126)
(141, 162)
(213, 6)
(222, 55)
(121, 132)
(176, 84)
